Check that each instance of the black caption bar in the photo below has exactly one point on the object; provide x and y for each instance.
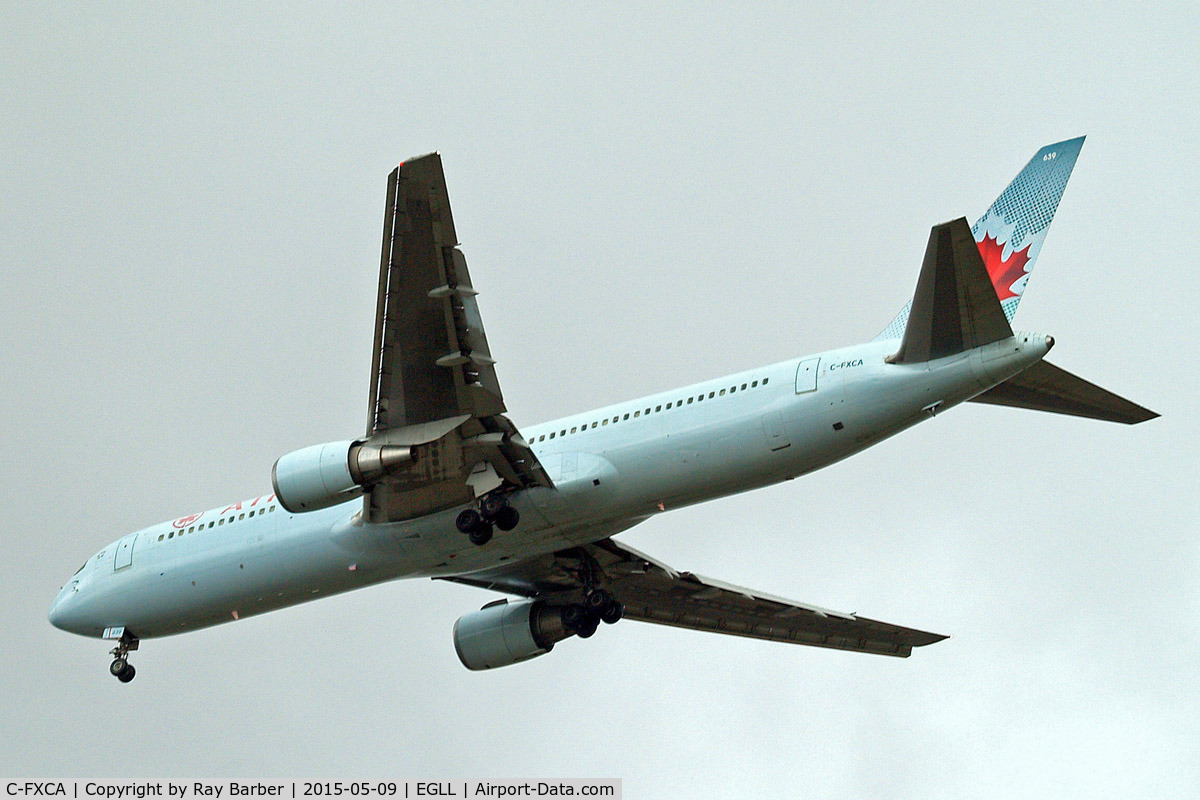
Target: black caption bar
(305, 790)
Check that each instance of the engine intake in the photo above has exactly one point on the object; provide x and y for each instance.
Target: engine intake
(325, 475)
(506, 633)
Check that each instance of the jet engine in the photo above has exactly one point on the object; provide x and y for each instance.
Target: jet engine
(504, 633)
(325, 475)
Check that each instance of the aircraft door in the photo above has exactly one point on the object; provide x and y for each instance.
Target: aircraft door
(806, 375)
(124, 555)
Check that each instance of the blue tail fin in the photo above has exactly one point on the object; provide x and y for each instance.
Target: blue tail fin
(1010, 234)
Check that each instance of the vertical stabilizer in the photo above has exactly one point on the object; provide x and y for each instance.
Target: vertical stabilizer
(1010, 233)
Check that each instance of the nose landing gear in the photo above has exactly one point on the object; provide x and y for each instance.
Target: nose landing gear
(120, 667)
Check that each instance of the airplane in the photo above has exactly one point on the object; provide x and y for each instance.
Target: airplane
(443, 485)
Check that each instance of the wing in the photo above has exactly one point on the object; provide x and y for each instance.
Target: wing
(433, 380)
(653, 592)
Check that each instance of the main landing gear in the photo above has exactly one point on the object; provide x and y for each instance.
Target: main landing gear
(598, 606)
(494, 510)
(120, 667)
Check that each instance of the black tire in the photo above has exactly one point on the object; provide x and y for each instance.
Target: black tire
(598, 600)
(612, 614)
(492, 504)
(118, 666)
(573, 616)
(587, 627)
(127, 674)
(481, 536)
(507, 518)
(469, 521)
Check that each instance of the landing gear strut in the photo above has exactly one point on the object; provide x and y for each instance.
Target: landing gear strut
(494, 510)
(120, 667)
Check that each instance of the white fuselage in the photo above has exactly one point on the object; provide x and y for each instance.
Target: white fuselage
(613, 468)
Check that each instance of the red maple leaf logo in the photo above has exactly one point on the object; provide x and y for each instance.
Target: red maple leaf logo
(1003, 273)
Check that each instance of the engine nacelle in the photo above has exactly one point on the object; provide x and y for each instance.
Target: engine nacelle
(325, 475)
(506, 633)
(315, 477)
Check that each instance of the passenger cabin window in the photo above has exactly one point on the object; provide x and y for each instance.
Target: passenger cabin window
(765, 381)
(743, 387)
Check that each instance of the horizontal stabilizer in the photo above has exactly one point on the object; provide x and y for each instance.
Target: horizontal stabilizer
(955, 307)
(1045, 387)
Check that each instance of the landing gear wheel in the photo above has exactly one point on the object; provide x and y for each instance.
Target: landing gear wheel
(587, 627)
(492, 505)
(598, 600)
(613, 613)
(577, 619)
(573, 616)
(481, 535)
(120, 667)
(507, 518)
(469, 521)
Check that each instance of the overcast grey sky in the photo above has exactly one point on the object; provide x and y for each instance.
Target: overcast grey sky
(647, 195)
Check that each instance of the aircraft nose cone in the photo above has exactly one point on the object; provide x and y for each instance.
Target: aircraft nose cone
(56, 615)
(65, 610)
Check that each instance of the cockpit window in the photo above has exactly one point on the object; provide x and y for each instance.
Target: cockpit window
(81, 566)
